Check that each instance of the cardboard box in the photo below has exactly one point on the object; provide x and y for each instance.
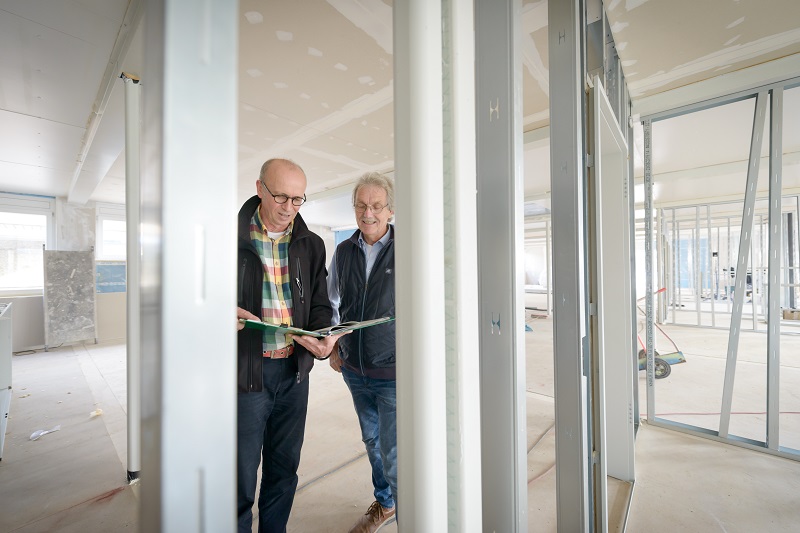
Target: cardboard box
(791, 314)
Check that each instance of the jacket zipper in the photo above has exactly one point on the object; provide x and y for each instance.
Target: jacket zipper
(241, 294)
(299, 281)
(361, 316)
(241, 278)
(364, 300)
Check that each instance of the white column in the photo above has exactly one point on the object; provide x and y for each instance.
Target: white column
(421, 420)
(461, 270)
(188, 301)
(133, 259)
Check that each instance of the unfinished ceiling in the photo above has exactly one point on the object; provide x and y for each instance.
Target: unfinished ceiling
(695, 41)
(315, 85)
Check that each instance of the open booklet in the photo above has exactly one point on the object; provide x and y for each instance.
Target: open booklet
(323, 332)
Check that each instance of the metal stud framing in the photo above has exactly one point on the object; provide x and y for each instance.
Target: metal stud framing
(498, 102)
(570, 342)
(741, 264)
(771, 288)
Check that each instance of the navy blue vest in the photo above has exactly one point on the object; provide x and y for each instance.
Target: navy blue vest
(369, 351)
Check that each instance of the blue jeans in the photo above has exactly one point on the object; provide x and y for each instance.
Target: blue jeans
(270, 430)
(375, 401)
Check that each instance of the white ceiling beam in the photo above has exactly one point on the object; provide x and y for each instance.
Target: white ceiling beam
(721, 169)
(373, 17)
(715, 61)
(77, 190)
(108, 144)
(537, 137)
(774, 71)
(534, 18)
(717, 200)
(537, 197)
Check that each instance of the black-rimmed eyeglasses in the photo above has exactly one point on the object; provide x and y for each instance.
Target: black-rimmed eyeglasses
(282, 198)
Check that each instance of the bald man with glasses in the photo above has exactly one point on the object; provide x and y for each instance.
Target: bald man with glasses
(281, 280)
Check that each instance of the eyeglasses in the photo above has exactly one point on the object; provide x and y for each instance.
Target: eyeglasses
(282, 198)
(376, 209)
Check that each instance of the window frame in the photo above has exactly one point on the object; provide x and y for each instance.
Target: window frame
(31, 204)
(103, 212)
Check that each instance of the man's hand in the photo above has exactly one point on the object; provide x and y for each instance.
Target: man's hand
(318, 347)
(241, 313)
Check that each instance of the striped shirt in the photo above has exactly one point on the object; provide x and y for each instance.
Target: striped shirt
(276, 292)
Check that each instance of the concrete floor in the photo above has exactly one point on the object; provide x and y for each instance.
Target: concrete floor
(73, 480)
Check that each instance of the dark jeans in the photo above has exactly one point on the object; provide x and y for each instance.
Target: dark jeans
(271, 425)
(375, 401)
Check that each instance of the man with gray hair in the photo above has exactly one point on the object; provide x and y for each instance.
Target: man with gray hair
(361, 287)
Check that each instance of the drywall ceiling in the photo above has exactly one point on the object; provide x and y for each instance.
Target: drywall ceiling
(695, 41)
(53, 56)
(701, 46)
(315, 85)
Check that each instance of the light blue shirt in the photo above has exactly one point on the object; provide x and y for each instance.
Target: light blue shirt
(370, 252)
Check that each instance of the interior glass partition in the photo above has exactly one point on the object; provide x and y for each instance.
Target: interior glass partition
(713, 323)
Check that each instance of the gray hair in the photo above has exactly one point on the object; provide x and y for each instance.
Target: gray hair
(379, 180)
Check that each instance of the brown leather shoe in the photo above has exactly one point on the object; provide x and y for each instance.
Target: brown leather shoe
(375, 517)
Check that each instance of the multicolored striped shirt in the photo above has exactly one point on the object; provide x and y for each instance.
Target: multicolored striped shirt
(276, 292)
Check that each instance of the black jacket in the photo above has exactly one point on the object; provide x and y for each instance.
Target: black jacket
(369, 351)
(311, 308)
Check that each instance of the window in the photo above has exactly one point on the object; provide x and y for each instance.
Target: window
(111, 232)
(26, 227)
(342, 235)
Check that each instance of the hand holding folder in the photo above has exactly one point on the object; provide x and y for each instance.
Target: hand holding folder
(319, 333)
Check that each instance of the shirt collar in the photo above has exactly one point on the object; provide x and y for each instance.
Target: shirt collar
(263, 227)
(382, 241)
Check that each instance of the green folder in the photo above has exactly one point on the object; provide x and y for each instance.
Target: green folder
(323, 332)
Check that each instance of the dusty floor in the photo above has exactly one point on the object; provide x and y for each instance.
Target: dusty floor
(73, 480)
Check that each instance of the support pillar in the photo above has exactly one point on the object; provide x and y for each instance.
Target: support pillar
(421, 413)
(188, 274)
(133, 124)
(461, 270)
